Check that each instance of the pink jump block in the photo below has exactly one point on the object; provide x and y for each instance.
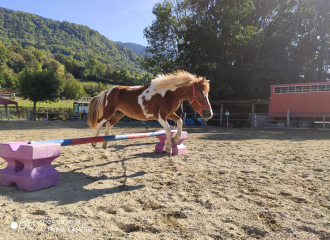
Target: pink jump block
(29, 165)
(177, 149)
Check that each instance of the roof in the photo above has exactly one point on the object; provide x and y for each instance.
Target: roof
(4, 101)
(6, 90)
(300, 84)
(249, 102)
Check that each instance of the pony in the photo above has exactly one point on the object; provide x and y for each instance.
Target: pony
(157, 100)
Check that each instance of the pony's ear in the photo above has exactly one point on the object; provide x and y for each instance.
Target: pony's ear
(205, 81)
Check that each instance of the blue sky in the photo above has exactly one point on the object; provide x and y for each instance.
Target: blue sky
(118, 20)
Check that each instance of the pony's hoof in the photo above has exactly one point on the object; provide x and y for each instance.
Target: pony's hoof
(93, 145)
(168, 150)
(173, 141)
(105, 146)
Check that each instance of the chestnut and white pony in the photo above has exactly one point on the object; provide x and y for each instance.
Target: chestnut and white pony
(157, 100)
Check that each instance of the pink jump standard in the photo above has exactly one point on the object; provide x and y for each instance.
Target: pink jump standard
(177, 148)
(29, 166)
(29, 163)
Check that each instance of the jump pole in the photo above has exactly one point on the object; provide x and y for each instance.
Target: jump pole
(76, 141)
(29, 163)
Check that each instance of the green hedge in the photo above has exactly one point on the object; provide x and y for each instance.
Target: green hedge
(23, 112)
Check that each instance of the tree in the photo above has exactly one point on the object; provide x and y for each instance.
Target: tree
(91, 67)
(39, 86)
(30, 59)
(57, 67)
(73, 89)
(3, 54)
(69, 64)
(164, 36)
(16, 62)
(242, 46)
(101, 70)
(312, 39)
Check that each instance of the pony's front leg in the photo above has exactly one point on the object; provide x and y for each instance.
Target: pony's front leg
(99, 126)
(178, 120)
(168, 146)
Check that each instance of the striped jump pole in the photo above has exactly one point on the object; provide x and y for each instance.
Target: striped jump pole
(76, 141)
(29, 163)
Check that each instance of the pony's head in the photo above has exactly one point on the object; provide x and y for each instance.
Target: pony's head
(199, 99)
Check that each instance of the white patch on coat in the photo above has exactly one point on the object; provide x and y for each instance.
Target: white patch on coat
(148, 93)
(135, 87)
(106, 100)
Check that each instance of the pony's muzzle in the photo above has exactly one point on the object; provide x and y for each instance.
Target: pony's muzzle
(207, 113)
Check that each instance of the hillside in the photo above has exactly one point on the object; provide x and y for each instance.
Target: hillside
(136, 48)
(81, 42)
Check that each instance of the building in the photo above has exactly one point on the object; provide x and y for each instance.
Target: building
(7, 93)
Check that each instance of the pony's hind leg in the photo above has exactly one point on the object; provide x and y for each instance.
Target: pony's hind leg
(178, 121)
(99, 126)
(108, 126)
(114, 119)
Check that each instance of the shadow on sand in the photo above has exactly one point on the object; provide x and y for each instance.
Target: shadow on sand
(72, 187)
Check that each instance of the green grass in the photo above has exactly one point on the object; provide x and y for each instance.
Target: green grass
(59, 104)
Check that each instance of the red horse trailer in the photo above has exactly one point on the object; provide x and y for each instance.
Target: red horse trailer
(307, 103)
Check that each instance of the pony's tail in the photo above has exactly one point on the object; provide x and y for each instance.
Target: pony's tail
(95, 109)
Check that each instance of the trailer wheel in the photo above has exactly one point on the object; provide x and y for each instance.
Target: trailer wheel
(304, 123)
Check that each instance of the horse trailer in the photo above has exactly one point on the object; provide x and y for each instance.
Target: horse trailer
(80, 107)
(301, 104)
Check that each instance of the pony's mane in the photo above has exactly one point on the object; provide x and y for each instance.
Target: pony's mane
(176, 80)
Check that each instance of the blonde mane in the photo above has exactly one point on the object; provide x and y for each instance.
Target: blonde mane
(176, 80)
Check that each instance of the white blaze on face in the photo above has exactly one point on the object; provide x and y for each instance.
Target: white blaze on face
(211, 112)
(107, 95)
(208, 103)
(148, 93)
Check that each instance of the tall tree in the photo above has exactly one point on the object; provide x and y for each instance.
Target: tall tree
(242, 46)
(73, 89)
(39, 86)
(312, 39)
(164, 36)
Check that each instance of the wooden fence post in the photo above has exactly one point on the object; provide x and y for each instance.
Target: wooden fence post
(221, 110)
(253, 116)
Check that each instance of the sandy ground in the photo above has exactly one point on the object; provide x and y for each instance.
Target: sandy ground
(232, 184)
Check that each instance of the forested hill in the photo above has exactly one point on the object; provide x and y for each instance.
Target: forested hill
(81, 42)
(137, 48)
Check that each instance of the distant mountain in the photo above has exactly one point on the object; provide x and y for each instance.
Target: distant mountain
(79, 41)
(136, 48)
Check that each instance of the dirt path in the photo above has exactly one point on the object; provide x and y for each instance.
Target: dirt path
(232, 184)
